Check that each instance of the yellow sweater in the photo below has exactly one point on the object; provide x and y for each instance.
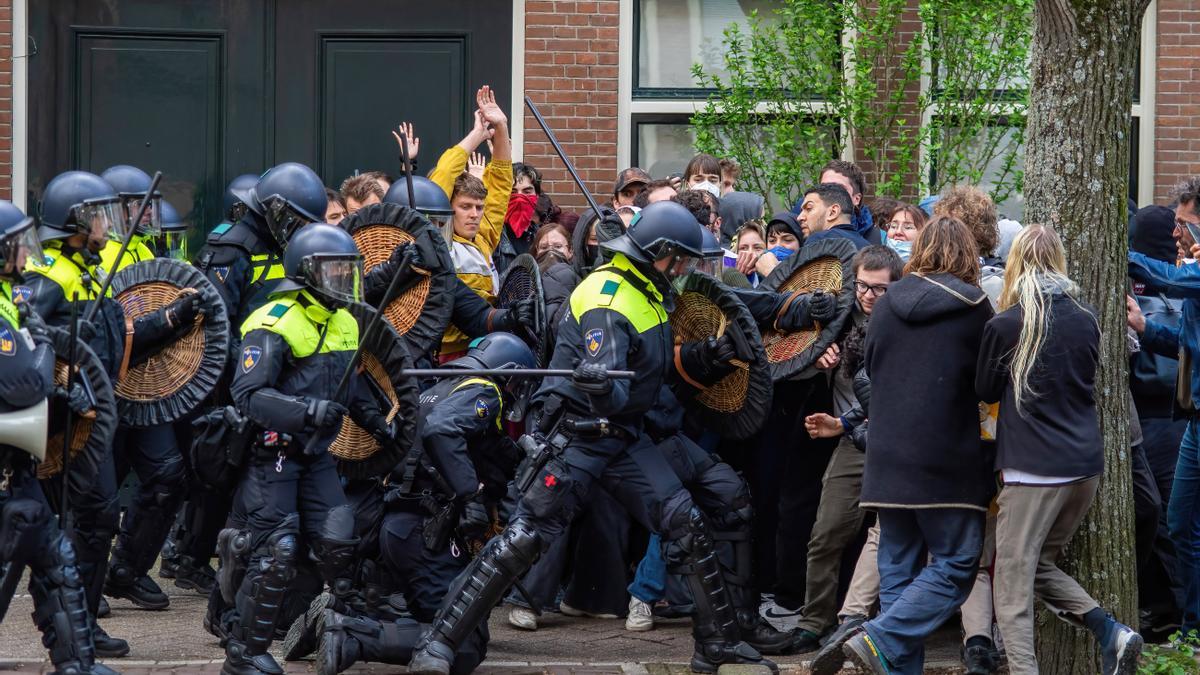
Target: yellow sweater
(473, 257)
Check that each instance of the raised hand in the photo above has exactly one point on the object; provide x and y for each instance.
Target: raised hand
(475, 165)
(414, 143)
(485, 98)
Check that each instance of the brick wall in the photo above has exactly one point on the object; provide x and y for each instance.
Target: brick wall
(571, 75)
(6, 98)
(1177, 104)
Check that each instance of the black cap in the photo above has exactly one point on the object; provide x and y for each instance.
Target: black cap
(629, 177)
(1152, 233)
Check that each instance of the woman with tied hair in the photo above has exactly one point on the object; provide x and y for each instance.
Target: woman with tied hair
(1038, 359)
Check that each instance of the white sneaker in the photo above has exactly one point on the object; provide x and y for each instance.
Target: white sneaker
(522, 618)
(781, 618)
(640, 618)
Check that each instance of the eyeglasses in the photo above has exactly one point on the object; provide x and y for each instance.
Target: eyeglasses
(561, 248)
(907, 227)
(864, 288)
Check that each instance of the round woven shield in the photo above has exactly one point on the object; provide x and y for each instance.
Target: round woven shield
(171, 383)
(523, 279)
(421, 312)
(93, 434)
(736, 405)
(823, 264)
(383, 356)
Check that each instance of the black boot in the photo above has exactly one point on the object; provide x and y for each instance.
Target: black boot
(259, 600)
(107, 646)
(124, 582)
(193, 576)
(302, 635)
(347, 640)
(715, 624)
(474, 593)
(979, 656)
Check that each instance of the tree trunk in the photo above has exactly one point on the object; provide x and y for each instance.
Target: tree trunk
(1076, 179)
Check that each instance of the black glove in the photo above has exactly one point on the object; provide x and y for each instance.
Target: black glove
(183, 310)
(822, 306)
(323, 414)
(86, 331)
(34, 324)
(707, 361)
(384, 432)
(520, 314)
(610, 226)
(474, 522)
(76, 399)
(592, 379)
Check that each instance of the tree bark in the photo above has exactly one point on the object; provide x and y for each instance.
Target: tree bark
(1076, 179)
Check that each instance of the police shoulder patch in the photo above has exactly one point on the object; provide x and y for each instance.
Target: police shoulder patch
(251, 355)
(21, 294)
(221, 272)
(593, 340)
(8, 343)
(481, 408)
(221, 229)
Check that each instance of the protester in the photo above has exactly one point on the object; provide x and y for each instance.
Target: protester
(784, 237)
(903, 226)
(361, 190)
(750, 242)
(735, 209)
(851, 177)
(522, 219)
(977, 211)
(926, 473)
(336, 211)
(839, 518)
(1038, 360)
(630, 183)
(703, 172)
(656, 191)
(826, 211)
(731, 171)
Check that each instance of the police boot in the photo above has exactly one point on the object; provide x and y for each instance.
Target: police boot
(377, 589)
(60, 610)
(474, 593)
(301, 638)
(336, 560)
(169, 566)
(216, 616)
(754, 629)
(259, 601)
(124, 582)
(715, 627)
(193, 576)
(346, 640)
(106, 645)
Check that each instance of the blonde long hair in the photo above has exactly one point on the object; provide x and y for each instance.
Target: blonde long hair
(1036, 271)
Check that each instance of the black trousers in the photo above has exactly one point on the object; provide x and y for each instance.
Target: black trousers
(96, 514)
(1160, 443)
(153, 455)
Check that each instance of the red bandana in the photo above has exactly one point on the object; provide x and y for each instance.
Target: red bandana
(520, 212)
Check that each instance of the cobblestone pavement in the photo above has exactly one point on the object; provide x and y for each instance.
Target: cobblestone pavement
(173, 641)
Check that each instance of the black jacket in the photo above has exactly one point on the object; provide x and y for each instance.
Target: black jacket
(1056, 432)
(1152, 376)
(244, 264)
(557, 283)
(923, 444)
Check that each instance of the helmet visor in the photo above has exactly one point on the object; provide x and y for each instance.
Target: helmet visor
(675, 262)
(100, 219)
(283, 218)
(20, 246)
(173, 244)
(151, 222)
(337, 278)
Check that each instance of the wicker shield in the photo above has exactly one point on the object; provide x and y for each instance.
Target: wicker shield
(735, 406)
(823, 264)
(383, 356)
(523, 279)
(422, 312)
(93, 434)
(170, 384)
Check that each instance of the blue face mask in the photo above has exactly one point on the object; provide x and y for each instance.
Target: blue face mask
(902, 248)
(780, 253)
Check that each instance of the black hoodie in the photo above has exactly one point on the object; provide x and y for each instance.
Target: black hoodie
(923, 447)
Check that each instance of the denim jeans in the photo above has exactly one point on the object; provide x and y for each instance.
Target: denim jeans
(916, 596)
(1183, 522)
(650, 582)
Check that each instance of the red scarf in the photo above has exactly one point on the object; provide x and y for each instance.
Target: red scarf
(520, 212)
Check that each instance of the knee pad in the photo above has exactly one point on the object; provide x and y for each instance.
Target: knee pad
(21, 523)
(738, 511)
(519, 545)
(547, 494)
(339, 524)
(674, 516)
(691, 538)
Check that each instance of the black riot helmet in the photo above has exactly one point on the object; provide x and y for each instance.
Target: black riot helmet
(661, 230)
(237, 195)
(713, 254)
(432, 201)
(132, 184)
(324, 260)
(78, 202)
(172, 241)
(18, 241)
(502, 351)
(288, 196)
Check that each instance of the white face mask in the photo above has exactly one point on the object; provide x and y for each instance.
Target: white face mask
(902, 248)
(712, 189)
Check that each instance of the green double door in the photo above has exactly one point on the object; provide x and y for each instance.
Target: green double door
(204, 90)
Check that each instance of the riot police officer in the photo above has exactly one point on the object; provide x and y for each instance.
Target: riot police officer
(29, 534)
(78, 211)
(287, 379)
(439, 506)
(594, 437)
(150, 452)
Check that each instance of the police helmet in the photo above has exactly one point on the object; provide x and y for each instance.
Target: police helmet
(713, 254)
(78, 202)
(496, 351)
(661, 230)
(288, 197)
(237, 195)
(18, 241)
(323, 259)
(172, 241)
(432, 201)
(132, 184)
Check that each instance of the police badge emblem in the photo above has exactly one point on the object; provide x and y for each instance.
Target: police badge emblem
(250, 357)
(593, 340)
